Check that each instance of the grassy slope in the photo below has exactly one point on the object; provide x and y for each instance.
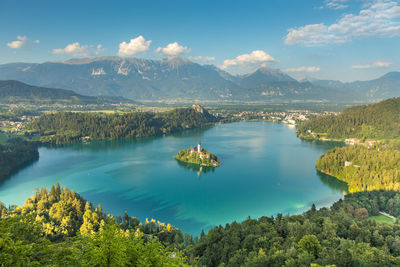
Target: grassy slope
(381, 219)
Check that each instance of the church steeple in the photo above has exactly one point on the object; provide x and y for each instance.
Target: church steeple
(199, 147)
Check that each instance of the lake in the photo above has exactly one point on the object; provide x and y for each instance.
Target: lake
(265, 170)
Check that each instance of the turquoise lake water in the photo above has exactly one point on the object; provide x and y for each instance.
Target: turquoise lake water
(266, 170)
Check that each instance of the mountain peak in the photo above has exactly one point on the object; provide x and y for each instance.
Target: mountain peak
(306, 78)
(267, 70)
(265, 75)
(177, 61)
(394, 75)
(79, 61)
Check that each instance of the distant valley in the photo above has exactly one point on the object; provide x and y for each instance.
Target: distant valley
(179, 78)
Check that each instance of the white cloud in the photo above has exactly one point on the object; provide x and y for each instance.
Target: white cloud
(302, 69)
(255, 58)
(335, 4)
(204, 59)
(173, 49)
(376, 64)
(77, 50)
(19, 43)
(99, 49)
(36, 42)
(135, 46)
(379, 18)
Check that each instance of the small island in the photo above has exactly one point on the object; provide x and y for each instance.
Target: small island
(199, 156)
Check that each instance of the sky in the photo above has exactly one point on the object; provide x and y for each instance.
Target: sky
(343, 40)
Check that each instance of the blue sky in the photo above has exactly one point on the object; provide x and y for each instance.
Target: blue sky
(326, 39)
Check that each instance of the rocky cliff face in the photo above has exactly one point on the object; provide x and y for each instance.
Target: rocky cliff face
(198, 108)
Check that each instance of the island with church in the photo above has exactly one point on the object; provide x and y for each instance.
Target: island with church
(198, 155)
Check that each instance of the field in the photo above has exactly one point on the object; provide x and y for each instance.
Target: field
(381, 219)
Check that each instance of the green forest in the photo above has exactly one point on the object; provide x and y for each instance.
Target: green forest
(209, 159)
(376, 121)
(58, 227)
(341, 235)
(15, 154)
(368, 168)
(364, 167)
(65, 127)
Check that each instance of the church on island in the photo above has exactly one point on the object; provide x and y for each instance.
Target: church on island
(198, 155)
(198, 151)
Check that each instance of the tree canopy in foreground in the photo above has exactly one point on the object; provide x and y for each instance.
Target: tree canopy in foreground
(58, 227)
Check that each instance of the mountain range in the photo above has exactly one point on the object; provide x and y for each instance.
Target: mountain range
(15, 92)
(179, 78)
(384, 87)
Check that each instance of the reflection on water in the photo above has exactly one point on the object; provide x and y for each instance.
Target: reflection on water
(324, 143)
(110, 145)
(333, 183)
(15, 172)
(103, 146)
(195, 167)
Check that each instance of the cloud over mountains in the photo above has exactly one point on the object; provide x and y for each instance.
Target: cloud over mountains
(78, 50)
(135, 46)
(19, 43)
(376, 64)
(256, 58)
(379, 18)
(173, 49)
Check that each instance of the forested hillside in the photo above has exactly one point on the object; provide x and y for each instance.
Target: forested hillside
(369, 165)
(376, 121)
(339, 236)
(70, 127)
(15, 154)
(59, 227)
(15, 92)
(368, 168)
